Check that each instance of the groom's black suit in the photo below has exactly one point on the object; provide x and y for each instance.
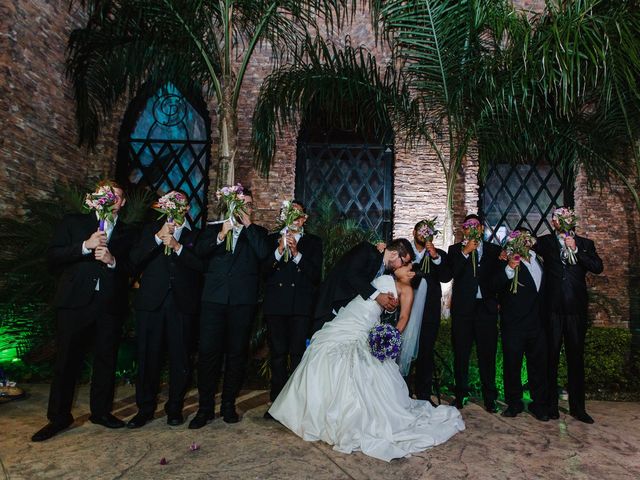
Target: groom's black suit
(166, 304)
(229, 299)
(566, 313)
(430, 325)
(86, 315)
(351, 276)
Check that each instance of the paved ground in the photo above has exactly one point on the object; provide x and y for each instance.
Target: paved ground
(491, 448)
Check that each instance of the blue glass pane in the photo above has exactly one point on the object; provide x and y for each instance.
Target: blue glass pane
(169, 148)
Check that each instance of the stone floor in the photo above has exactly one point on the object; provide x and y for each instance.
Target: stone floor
(492, 447)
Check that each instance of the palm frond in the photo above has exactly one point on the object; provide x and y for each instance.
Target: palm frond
(346, 86)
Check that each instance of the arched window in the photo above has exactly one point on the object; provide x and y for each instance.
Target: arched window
(165, 145)
(356, 173)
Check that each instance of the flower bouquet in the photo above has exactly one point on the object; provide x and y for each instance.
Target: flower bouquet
(427, 230)
(517, 246)
(102, 201)
(474, 234)
(232, 200)
(567, 220)
(288, 214)
(174, 206)
(385, 341)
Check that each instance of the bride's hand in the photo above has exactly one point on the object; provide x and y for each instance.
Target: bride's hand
(387, 301)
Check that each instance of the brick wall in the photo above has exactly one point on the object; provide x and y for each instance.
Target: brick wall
(38, 140)
(38, 149)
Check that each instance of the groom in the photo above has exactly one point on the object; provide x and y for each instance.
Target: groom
(353, 274)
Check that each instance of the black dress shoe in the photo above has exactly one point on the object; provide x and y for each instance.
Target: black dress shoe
(175, 419)
(491, 407)
(107, 420)
(268, 416)
(51, 429)
(200, 420)
(554, 414)
(229, 414)
(582, 417)
(511, 412)
(139, 420)
(540, 416)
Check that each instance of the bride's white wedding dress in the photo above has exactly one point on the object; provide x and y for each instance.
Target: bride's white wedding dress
(341, 394)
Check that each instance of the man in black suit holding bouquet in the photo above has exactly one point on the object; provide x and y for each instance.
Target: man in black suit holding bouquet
(520, 285)
(567, 260)
(474, 311)
(229, 299)
(291, 284)
(438, 271)
(167, 304)
(91, 302)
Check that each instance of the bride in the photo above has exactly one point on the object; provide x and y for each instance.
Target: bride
(341, 394)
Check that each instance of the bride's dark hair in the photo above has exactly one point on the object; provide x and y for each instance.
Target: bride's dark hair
(415, 281)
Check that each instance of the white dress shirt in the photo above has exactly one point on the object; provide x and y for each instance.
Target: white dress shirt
(176, 234)
(533, 265)
(108, 229)
(298, 257)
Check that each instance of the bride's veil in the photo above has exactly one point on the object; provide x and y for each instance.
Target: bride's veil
(411, 333)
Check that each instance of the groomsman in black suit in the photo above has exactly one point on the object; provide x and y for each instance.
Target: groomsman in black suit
(439, 272)
(521, 315)
(91, 302)
(289, 298)
(474, 314)
(567, 322)
(167, 305)
(353, 274)
(229, 299)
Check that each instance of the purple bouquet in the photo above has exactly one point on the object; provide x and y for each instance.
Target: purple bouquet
(385, 341)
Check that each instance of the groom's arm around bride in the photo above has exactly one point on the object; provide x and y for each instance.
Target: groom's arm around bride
(353, 274)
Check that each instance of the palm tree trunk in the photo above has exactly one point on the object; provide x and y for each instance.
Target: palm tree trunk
(228, 132)
(447, 228)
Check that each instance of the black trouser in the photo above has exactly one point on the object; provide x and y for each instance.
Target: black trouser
(572, 330)
(78, 330)
(482, 327)
(515, 345)
(425, 362)
(168, 324)
(287, 339)
(224, 336)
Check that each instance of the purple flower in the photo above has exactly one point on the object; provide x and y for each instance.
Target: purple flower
(163, 461)
(384, 342)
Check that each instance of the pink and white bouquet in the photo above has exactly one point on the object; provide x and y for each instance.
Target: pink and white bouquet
(174, 205)
(288, 214)
(427, 230)
(232, 202)
(567, 221)
(102, 202)
(475, 233)
(517, 245)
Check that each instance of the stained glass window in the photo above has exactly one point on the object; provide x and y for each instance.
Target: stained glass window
(169, 149)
